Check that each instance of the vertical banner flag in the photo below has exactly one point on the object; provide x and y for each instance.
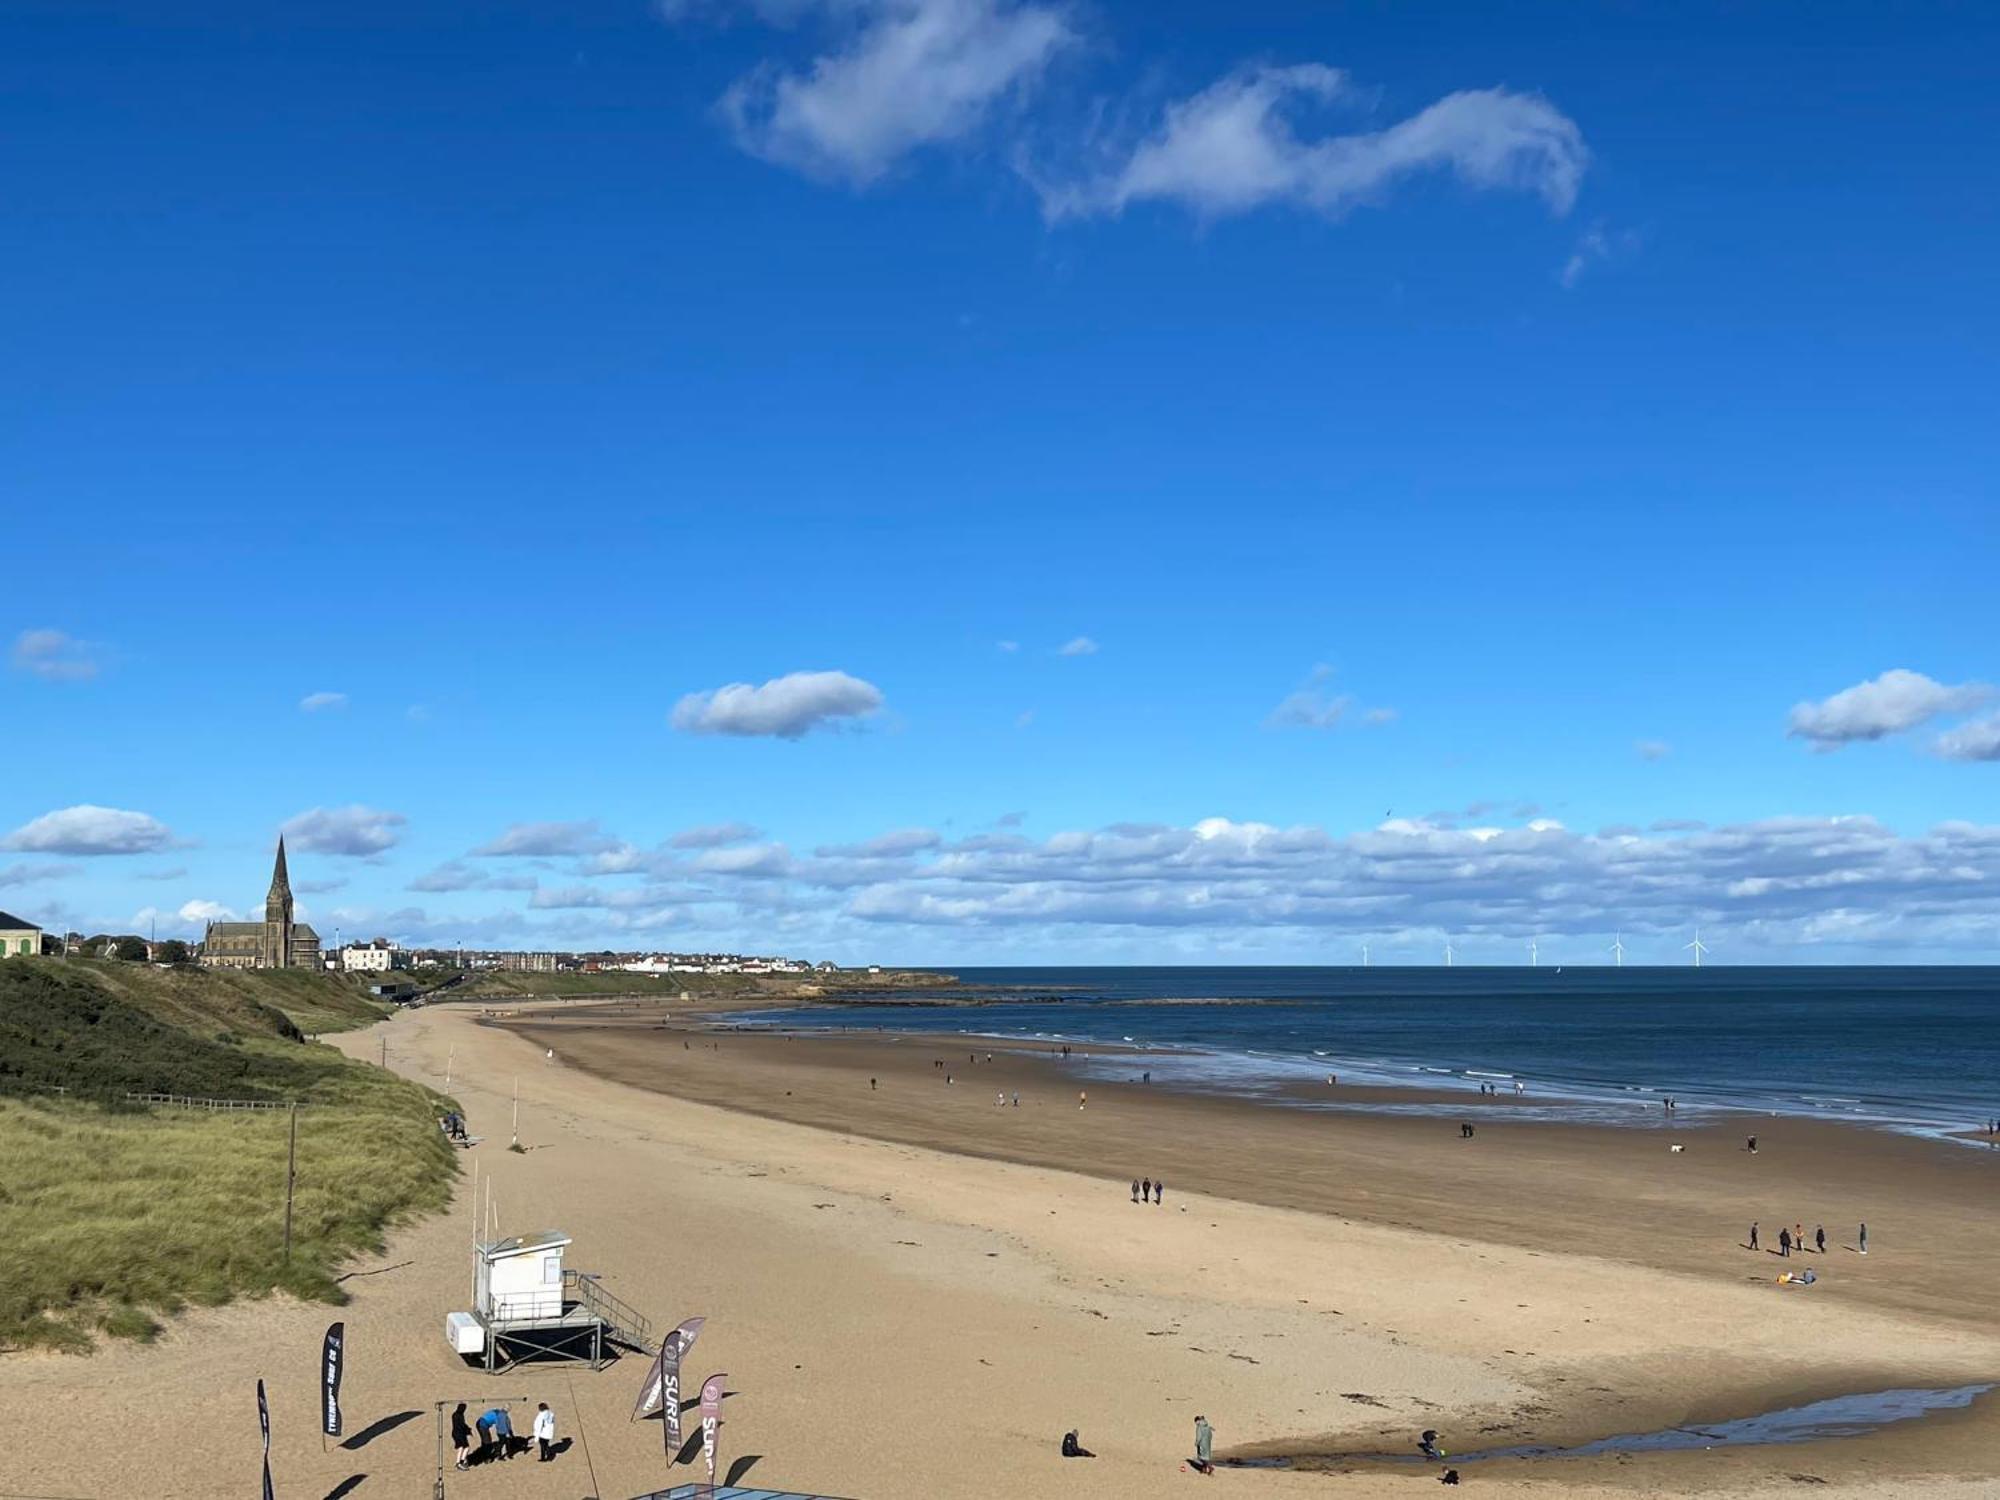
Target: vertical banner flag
(264, 1426)
(711, 1418)
(662, 1390)
(332, 1356)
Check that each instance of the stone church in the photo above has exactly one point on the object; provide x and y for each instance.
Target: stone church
(277, 942)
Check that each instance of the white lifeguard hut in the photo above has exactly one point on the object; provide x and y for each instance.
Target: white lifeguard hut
(525, 1302)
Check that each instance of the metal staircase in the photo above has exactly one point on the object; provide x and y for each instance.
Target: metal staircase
(623, 1323)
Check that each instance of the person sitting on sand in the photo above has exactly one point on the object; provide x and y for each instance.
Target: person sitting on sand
(1073, 1448)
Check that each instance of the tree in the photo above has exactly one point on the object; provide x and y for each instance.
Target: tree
(172, 951)
(131, 949)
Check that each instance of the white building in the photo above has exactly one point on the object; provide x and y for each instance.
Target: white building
(529, 963)
(378, 957)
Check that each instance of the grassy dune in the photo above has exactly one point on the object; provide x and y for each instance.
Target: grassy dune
(110, 1217)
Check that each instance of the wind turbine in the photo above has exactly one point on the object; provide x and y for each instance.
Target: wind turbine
(1698, 946)
(1534, 955)
(1618, 949)
(1364, 955)
(1447, 953)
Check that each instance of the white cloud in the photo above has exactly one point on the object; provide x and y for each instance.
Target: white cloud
(1007, 647)
(354, 831)
(316, 703)
(786, 707)
(909, 74)
(206, 911)
(619, 859)
(548, 840)
(1782, 877)
(1979, 740)
(1236, 147)
(54, 655)
(86, 829)
(1314, 705)
(1081, 645)
(1652, 749)
(895, 845)
(1897, 700)
(713, 836)
(449, 876)
(35, 874)
(1596, 245)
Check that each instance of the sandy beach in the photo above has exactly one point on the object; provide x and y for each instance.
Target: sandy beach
(916, 1289)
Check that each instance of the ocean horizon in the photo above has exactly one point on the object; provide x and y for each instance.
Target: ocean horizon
(1910, 1046)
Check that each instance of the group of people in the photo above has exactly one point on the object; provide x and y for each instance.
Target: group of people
(1148, 1190)
(453, 1125)
(1492, 1090)
(497, 1440)
(1794, 1238)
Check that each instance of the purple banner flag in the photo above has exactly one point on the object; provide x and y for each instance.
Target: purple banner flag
(711, 1419)
(662, 1390)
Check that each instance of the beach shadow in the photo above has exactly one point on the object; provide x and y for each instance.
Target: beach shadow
(375, 1429)
(560, 1447)
(741, 1467)
(690, 1448)
(346, 1486)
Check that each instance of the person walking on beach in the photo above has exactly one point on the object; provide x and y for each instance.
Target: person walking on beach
(1784, 1241)
(1753, 1145)
(1017, 1101)
(1159, 1191)
(1204, 1445)
(1146, 1190)
(1819, 1238)
(1135, 1190)
(1864, 1239)
(545, 1432)
(1753, 1234)
(461, 1436)
(1082, 1098)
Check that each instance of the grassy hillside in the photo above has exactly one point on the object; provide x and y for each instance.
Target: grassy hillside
(236, 998)
(110, 1216)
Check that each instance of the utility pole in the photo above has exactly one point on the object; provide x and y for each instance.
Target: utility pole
(517, 1111)
(291, 1179)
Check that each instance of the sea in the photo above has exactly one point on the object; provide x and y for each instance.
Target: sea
(1914, 1049)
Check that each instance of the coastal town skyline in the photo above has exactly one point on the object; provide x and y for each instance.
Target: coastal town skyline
(1123, 486)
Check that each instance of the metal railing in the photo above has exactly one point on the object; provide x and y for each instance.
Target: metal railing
(622, 1321)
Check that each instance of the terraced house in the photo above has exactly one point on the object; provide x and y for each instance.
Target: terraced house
(18, 937)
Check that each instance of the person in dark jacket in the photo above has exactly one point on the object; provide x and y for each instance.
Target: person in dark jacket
(461, 1436)
(1072, 1446)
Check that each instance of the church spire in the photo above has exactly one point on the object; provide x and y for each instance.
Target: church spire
(281, 881)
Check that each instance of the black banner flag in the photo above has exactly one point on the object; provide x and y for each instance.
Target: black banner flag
(332, 1359)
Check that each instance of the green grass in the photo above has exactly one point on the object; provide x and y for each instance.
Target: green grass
(111, 1217)
(208, 1000)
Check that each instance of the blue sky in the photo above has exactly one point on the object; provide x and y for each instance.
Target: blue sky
(1461, 443)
